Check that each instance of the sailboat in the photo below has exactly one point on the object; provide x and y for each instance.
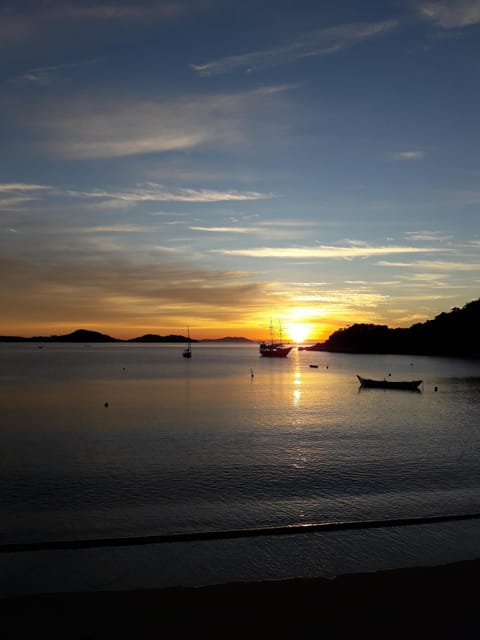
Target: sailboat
(274, 349)
(187, 353)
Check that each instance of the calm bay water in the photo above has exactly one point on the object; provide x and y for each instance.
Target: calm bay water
(200, 444)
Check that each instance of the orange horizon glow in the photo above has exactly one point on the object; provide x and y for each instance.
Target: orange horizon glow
(296, 332)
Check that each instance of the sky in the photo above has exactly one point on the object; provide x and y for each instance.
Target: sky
(217, 165)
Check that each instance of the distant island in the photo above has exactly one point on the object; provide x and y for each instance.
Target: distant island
(455, 333)
(85, 335)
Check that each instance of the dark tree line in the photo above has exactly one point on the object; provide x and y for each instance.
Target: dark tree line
(455, 333)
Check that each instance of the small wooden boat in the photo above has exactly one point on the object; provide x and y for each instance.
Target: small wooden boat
(187, 353)
(407, 385)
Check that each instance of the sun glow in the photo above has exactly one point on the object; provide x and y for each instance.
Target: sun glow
(298, 331)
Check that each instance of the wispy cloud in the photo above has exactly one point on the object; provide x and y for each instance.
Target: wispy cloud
(408, 155)
(15, 193)
(346, 252)
(45, 75)
(314, 43)
(451, 14)
(224, 229)
(436, 265)
(114, 228)
(114, 11)
(130, 292)
(19, 23)
(157, 193)
(428, 236)
(83, 128)
(22, 187)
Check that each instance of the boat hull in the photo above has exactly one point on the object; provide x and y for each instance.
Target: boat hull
(274, 351)
(406, 385)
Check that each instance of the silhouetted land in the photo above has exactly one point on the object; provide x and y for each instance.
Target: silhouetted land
(449, 334)
(454, 333)
(84, 335)
(429, 602)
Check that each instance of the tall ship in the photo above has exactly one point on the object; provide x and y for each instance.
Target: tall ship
(275, 348)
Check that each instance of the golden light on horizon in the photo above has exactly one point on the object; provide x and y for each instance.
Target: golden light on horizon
(298, 331)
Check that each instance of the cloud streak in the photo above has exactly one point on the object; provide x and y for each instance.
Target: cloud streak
(335, 252)
(45, 75)
(408, 155)
(436, 265)
(451, 14)
(314, 43)
(157, 193)
(83, 128)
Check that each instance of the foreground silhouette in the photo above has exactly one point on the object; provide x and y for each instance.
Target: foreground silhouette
(424, 602)
(448, 334)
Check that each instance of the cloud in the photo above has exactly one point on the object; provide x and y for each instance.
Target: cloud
(437, 265)
(22, 187)
(314, 43)
(105, 289)
(85, 128)
(114, 228)
(408, 155)
(347, 252)
(426, 236)
(45, 75)
(19, 24)
(224, 229)
(12, 194)
(115, 12)
(451, 14)
(15, 193)
(157, 193)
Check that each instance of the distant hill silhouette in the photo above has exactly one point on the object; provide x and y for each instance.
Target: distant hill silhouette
(152, 337)
(455, 333)
(226, 339)
(84, 335)
(80, 335)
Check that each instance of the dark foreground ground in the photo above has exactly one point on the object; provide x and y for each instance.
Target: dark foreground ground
(435, 602)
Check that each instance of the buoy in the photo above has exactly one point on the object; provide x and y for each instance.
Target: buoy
(105, 405)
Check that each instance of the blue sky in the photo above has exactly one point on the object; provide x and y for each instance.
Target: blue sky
(215, 164)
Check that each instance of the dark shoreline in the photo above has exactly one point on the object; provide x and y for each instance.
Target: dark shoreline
(440, 602)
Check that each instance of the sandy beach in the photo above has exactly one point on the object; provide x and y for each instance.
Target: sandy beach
(430, 602)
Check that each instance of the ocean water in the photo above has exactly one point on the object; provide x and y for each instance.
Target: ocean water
(116, 440)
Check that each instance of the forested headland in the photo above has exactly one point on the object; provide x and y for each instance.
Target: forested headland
(454, 333)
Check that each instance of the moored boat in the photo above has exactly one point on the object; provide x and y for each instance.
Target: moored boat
(407, 385)
(275, 349)
(187, 353)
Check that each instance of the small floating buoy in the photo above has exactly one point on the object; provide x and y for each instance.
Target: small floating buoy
(105, 405)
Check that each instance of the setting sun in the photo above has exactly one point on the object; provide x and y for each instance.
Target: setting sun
(298, 332)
